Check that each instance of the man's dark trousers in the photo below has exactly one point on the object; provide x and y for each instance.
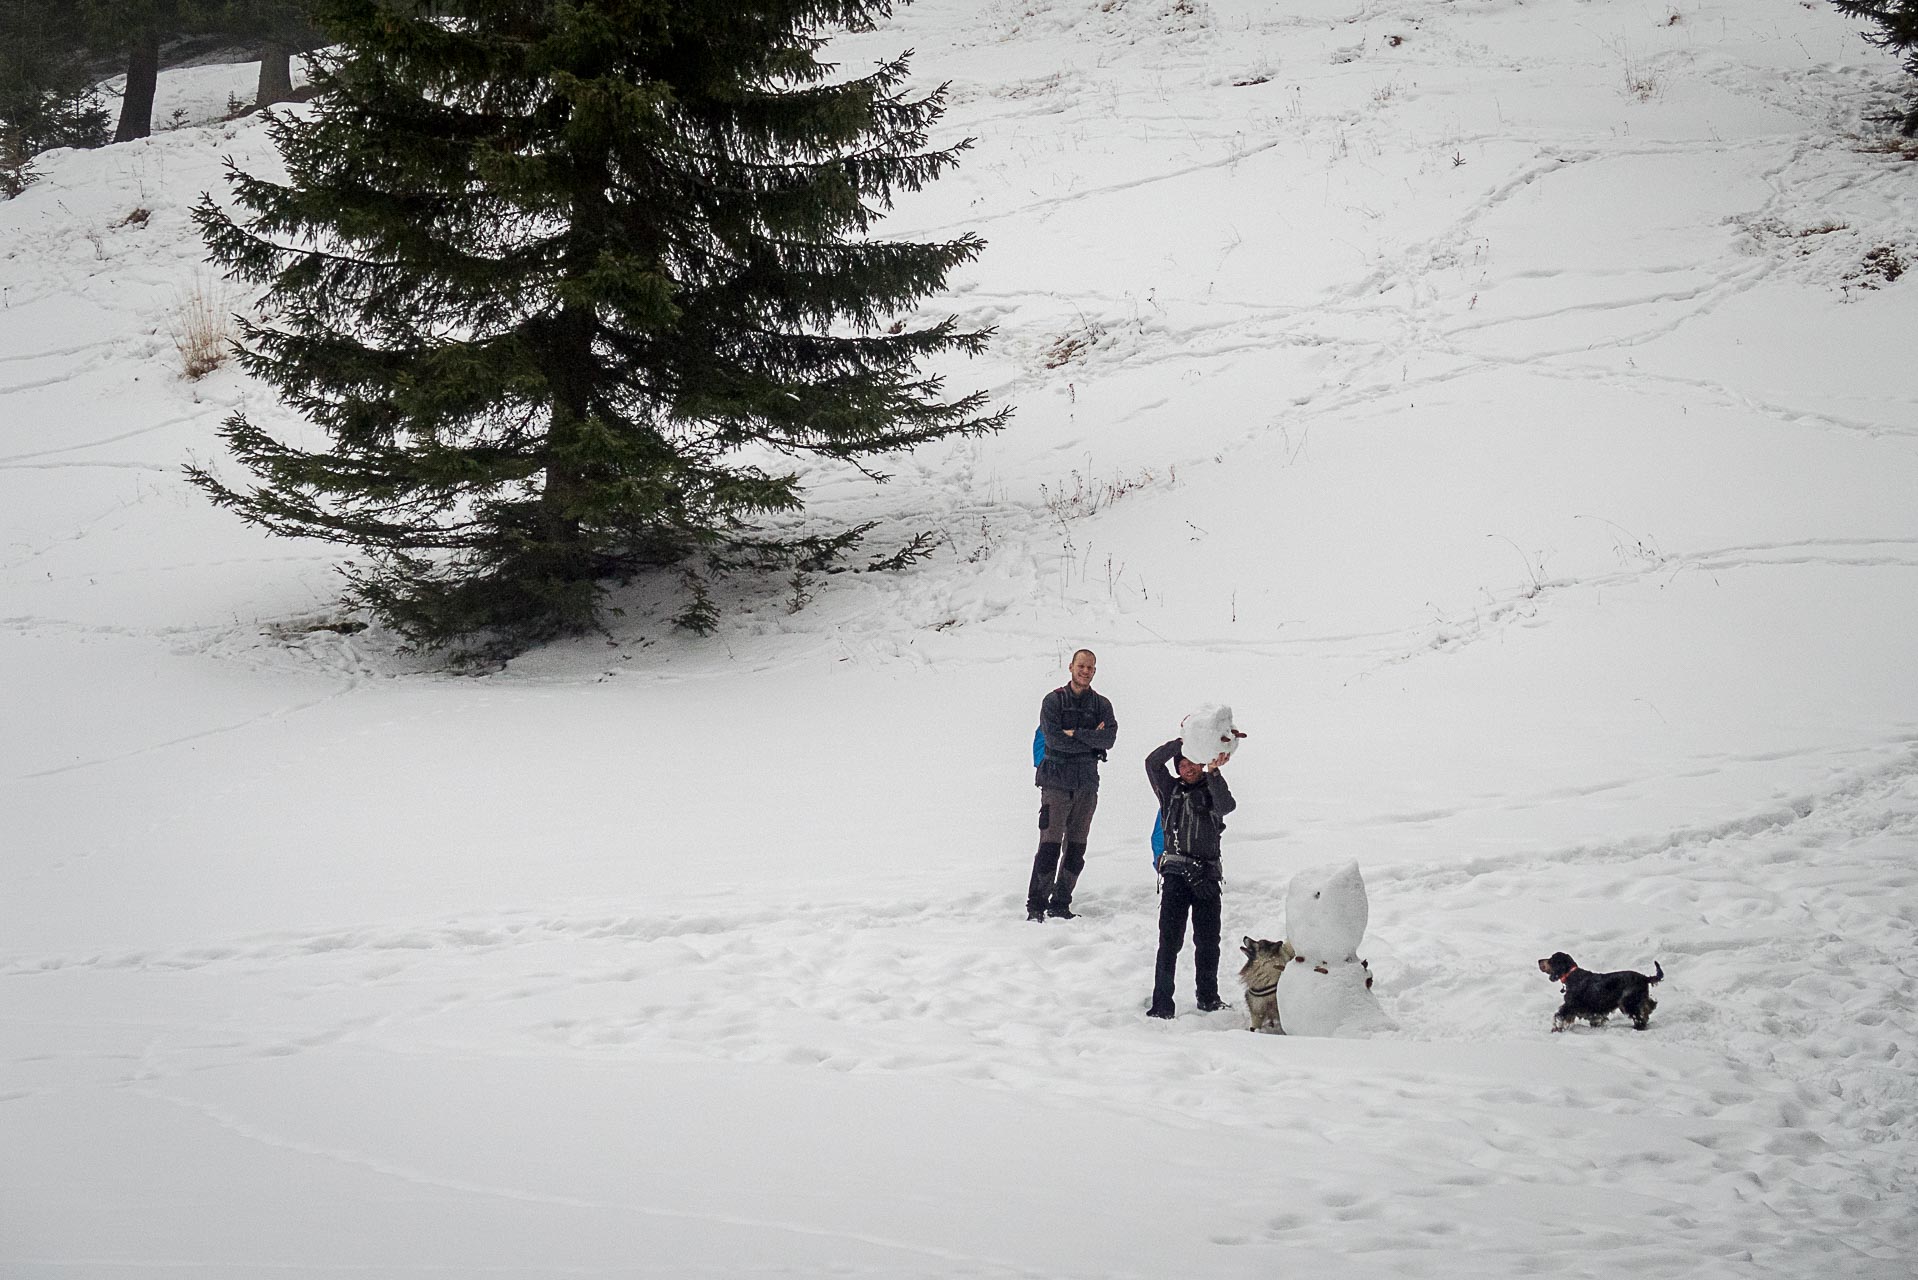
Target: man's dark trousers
(1179, 897)
(1065, 820)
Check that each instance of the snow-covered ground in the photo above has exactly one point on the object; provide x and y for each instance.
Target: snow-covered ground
(1503, 404)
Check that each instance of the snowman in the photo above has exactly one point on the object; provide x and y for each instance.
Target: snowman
(1327, 989)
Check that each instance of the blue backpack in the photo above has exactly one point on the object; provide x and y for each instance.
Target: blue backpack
(1039, 740)
(1158, 838)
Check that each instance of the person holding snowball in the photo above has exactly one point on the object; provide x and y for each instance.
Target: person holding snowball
(1193, 802)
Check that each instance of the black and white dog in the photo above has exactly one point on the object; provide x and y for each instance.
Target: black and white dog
(1595, 996)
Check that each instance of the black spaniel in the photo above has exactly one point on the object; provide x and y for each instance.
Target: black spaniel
(1595, 996)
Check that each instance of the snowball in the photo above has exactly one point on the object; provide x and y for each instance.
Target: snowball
(1334, 1003)
(1207, 732)
(1325, 913)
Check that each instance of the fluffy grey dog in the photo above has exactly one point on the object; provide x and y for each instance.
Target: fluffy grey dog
(1264, 962)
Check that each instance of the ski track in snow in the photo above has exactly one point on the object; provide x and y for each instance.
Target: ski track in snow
(1821, 1061)
(903, 1248)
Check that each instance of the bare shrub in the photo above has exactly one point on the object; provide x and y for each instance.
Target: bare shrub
(1881, 265)
(1643, 83)
(202, 328)
(1068, 347)
(1087, 496)
(1804, 240)
(1640, 81)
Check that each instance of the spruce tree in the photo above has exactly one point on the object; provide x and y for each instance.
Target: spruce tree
(1898, 23)
(47, 97)
(567, 283)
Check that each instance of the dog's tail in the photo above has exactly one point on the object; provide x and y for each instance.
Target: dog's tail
(1656, 978)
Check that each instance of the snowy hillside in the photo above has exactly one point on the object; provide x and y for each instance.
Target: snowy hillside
(1505, 405)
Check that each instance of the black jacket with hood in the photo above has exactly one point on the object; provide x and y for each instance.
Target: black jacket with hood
(1192, 813)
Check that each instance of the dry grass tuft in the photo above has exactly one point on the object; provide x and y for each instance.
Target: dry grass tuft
(202, 328)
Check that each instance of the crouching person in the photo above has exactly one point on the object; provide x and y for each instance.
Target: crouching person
(1193, 802)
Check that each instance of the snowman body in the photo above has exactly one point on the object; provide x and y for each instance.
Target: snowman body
(1327, 989)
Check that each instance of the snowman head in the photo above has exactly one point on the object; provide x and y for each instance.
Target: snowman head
(1209, 732)
(1326, 912)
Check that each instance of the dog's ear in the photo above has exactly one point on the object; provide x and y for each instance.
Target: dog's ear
(1245, 943)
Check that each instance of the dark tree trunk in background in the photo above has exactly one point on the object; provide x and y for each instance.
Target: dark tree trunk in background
(143, 75)
(276, 74)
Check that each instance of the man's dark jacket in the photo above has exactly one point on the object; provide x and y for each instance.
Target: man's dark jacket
(1193, 813)
(1072, 763)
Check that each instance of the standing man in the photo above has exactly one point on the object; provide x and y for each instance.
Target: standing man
(1078, 728)
(1192, 808)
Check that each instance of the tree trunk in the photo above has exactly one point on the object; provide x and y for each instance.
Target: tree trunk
(143, 76)
(571, 376)
(570, 369)
(276, 74)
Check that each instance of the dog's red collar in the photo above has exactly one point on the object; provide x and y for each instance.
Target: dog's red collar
(1568, 973)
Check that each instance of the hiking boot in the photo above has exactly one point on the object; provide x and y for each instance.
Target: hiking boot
(1211, 1004)
(1159, 1011)
(1061, 913)
(1036, 916)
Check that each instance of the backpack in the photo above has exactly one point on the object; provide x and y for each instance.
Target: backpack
(1158, 832)
(1039, 740)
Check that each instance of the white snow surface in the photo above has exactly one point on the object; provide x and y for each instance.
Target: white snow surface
(1499, 396)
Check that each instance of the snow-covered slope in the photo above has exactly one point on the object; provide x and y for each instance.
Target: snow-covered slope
(1503, 405)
